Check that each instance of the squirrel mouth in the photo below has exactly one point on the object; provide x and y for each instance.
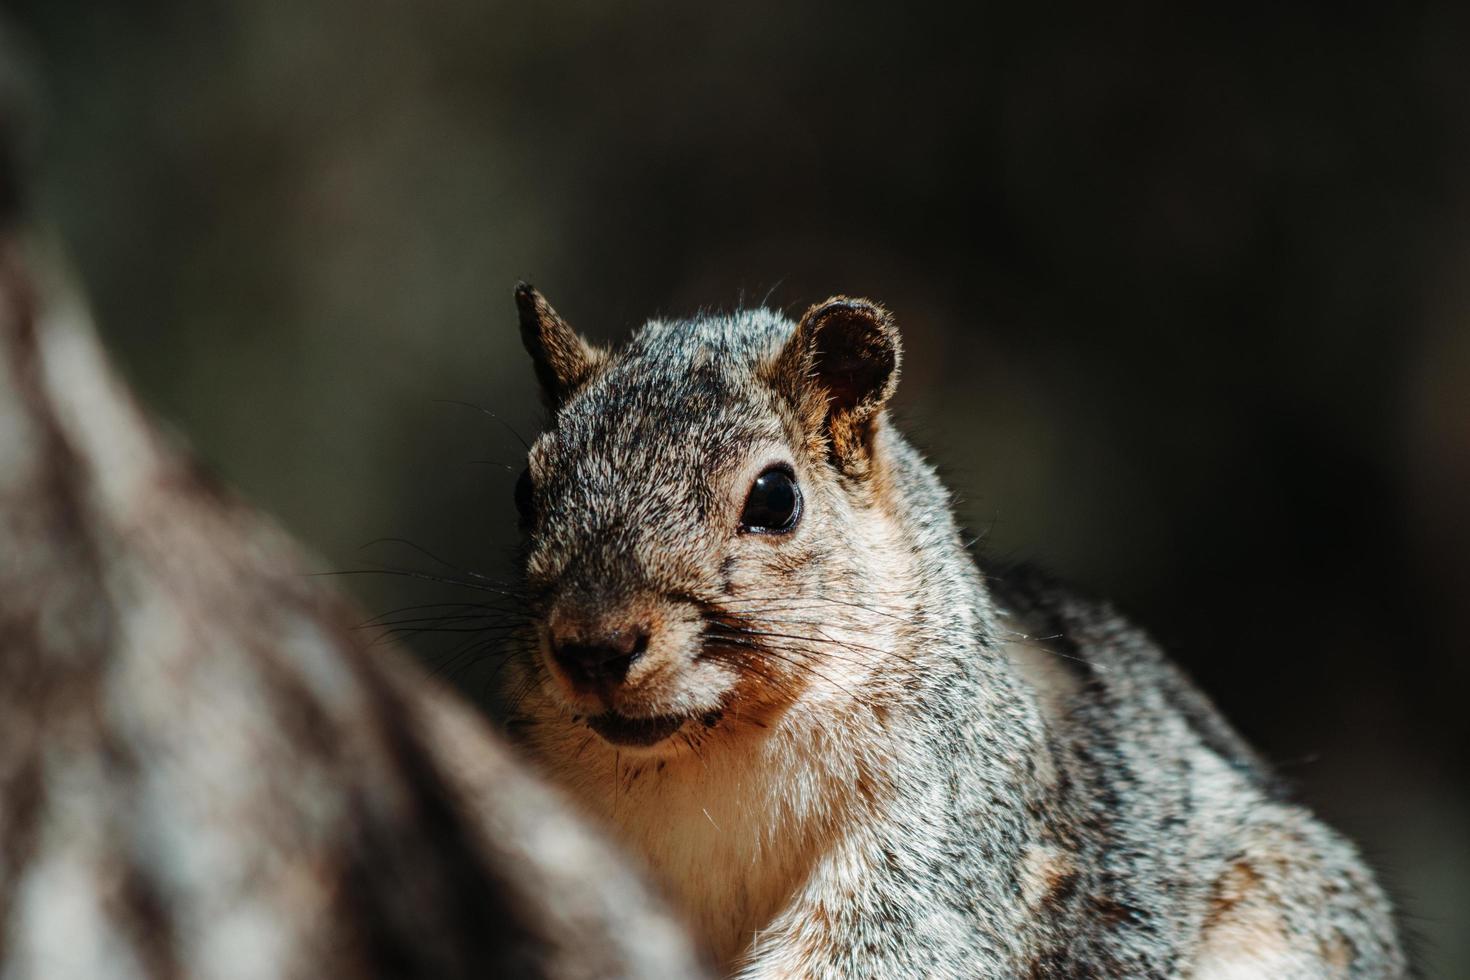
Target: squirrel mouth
(622, 730)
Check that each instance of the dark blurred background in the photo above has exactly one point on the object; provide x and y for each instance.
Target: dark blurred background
(1184, 295)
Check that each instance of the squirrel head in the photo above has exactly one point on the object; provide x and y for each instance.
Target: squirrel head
(691, 501)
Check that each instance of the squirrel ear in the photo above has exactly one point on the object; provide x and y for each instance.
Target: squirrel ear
(563, 360)
(846, 352)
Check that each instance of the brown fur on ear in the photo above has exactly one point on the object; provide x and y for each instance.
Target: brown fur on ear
(564, 361)
(846, 352)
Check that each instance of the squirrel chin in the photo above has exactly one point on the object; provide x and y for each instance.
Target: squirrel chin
(625, 732)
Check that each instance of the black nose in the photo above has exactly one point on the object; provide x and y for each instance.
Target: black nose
(602, 665)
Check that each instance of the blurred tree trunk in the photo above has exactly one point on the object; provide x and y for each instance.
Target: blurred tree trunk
(201, 774)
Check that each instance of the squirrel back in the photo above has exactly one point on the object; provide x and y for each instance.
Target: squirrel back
(761, 652)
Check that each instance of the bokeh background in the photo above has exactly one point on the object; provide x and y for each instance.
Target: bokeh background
(1185, 293)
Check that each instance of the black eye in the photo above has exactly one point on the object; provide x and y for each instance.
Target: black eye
(525, 502)
(774, 504)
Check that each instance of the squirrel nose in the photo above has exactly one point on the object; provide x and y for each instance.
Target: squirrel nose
(601, 664)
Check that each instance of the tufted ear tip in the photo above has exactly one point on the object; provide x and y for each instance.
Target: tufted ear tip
(534, 311)
(850, 306)
(563, 360)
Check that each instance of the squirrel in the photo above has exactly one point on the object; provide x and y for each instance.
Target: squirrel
(762, 654)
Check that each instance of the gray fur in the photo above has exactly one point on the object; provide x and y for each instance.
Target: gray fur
(935, 771)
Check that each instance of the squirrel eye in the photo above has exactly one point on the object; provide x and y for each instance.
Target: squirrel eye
(774, 504)
(525, 502)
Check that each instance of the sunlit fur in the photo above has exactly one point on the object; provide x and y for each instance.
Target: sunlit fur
(893, 764)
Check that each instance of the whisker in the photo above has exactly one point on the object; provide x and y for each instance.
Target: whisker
(791, 602)
(485, 411)
(752, 631)
(755, 639)
(431, 605)
(769, 651)
(424, 576)
(427, 554)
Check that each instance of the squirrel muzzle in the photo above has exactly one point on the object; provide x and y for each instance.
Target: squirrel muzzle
(596, 660)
